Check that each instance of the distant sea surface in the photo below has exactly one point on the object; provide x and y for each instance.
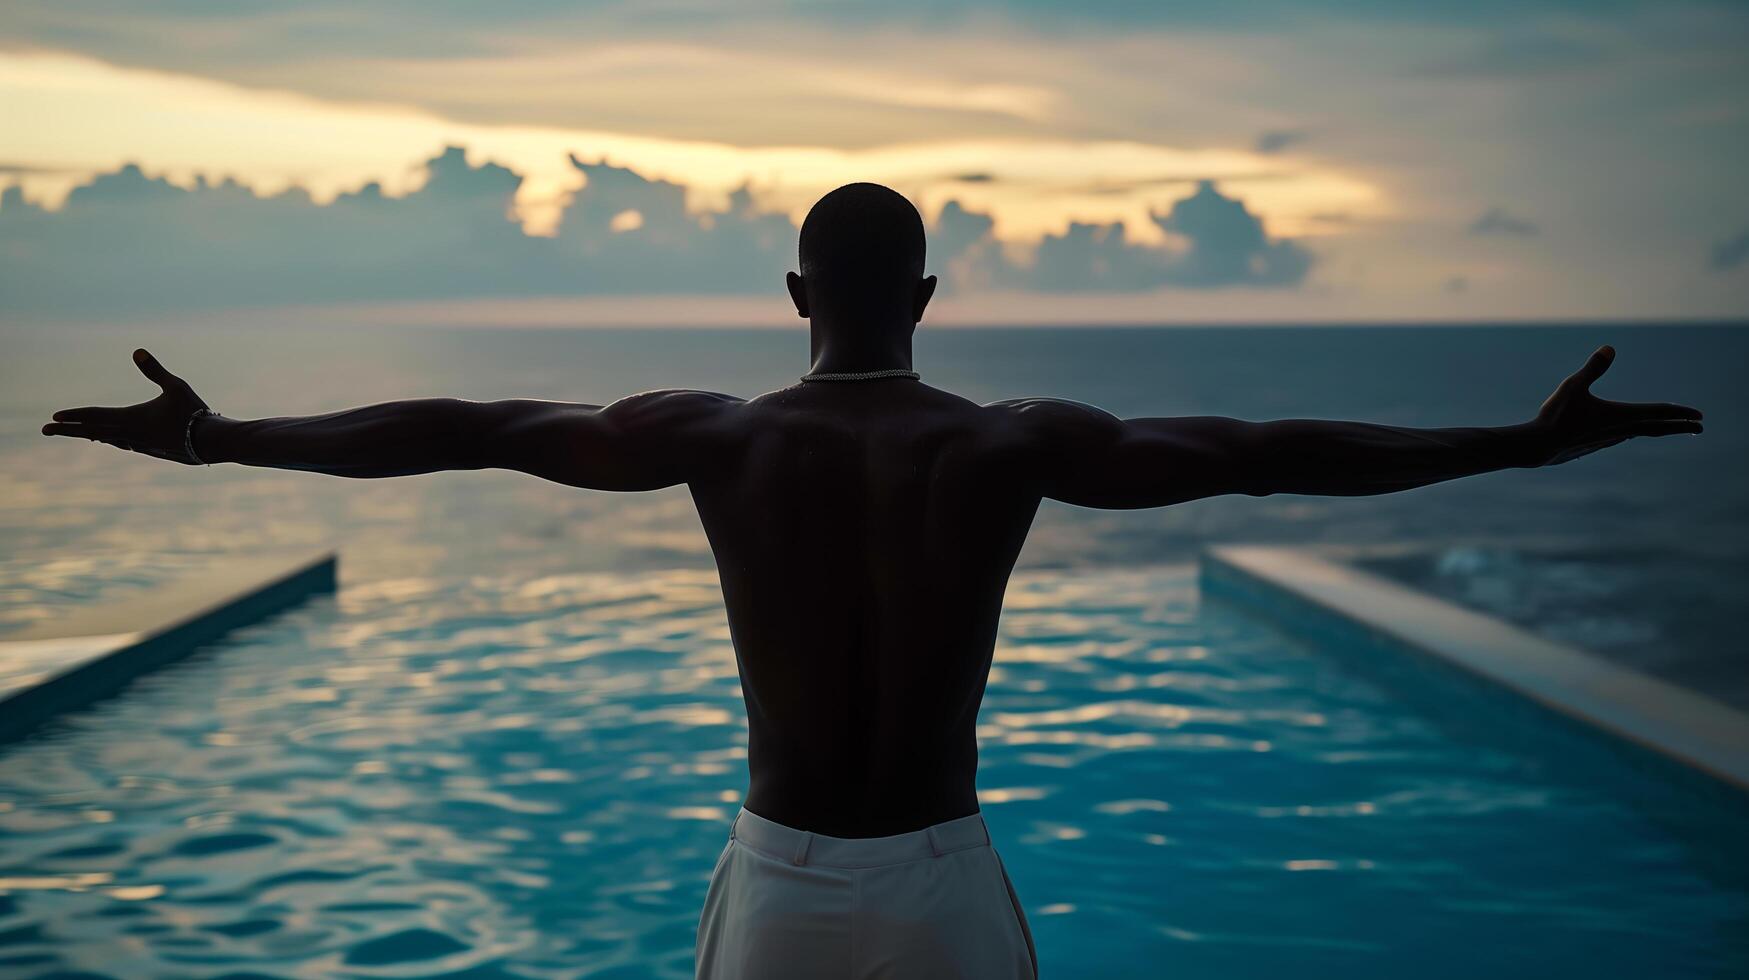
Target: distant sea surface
(1641, 551)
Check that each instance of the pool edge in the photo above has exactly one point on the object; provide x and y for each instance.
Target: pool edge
(1300, 585)
(150, 631)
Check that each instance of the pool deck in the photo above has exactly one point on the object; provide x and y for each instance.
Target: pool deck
(1302, 585)
(66, 663)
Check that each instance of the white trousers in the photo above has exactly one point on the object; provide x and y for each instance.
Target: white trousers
(933, 904)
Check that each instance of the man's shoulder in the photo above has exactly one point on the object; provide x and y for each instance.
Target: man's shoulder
(1046, 408)
(673, 410)
(675, 401)
(696, 397)
(1051, 419)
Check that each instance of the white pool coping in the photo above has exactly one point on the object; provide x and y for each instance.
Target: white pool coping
(67, 662)
(1696, 731)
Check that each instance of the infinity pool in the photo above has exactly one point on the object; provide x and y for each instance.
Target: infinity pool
(490, 778)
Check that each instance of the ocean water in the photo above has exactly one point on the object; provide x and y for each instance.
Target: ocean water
(511, 745)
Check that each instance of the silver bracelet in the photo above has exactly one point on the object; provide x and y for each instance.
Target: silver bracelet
(188, 434)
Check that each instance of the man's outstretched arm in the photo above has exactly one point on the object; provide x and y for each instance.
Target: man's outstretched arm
(643, 442)
(1094, 459)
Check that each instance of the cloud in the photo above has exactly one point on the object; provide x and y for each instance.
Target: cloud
(1094, 257)
(1731, 253)
(1277, 140)
(1498, 221)
(1219, 244)
(130, 241)
(8, 169)
(1228, 246)
(965, 252)
(667, 249)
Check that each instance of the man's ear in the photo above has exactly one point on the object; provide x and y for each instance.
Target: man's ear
(925, 290)
(798, 293)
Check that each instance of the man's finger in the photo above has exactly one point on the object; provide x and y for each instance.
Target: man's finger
(102, 416)
(84, 430)
(150, 367)
(1654, 427)
(1598, 363)
(1662, 410)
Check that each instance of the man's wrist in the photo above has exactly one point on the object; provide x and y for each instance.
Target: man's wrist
(1526, 445)
(208, 437)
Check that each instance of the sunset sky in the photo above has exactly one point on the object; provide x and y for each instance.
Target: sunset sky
(1390, 161)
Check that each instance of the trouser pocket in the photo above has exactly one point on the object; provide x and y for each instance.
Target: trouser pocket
(1019, 913)
(714, 931)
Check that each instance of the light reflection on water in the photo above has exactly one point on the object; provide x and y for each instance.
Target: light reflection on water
(491, 777)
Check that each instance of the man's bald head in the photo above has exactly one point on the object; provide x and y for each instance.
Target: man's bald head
(861, 255)
(863, 239)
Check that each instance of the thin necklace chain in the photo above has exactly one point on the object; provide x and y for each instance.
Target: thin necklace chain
(860, 375)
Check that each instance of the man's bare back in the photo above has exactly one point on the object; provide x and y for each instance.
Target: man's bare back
(864, 534)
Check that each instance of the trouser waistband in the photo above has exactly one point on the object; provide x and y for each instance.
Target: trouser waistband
(805, 847)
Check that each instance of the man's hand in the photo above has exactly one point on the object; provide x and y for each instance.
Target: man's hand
(157, 428)
(1575, 423)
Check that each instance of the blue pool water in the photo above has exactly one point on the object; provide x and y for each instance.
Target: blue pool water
(495, 776)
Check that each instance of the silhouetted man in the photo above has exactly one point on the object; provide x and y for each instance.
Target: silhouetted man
(864, 525)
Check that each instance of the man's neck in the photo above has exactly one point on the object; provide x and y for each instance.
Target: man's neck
(834, 349)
